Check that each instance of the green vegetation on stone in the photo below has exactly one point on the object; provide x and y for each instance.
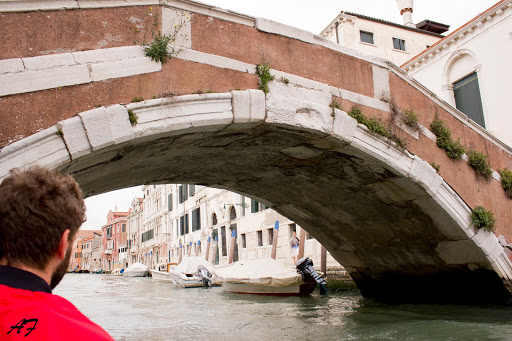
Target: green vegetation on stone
(483, 218)
(480, 163)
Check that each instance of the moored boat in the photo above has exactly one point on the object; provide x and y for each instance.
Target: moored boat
(161, 275)
(136, 270)
(269, 277)
(193, 272)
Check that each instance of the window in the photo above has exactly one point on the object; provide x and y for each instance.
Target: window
(270, 233)
(467, 98)
(293, 228)
(399, 44)
(182, 225)
(223, 236)
(123, 229)
(260, 237)
(182, 193)
(255, 206)
(186, 223)
(232, 213)
(243, 205)
(169, 202)
(308, 236)
(244, 241)
(366, 37)
(214, 219)
(196, 219)
(191, 190)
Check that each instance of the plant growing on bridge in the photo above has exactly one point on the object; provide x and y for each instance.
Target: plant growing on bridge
(483, 218)
(436, 167)
(163, 48)
(480, 163)
(506, 181)
(356, 113)
(133, 117)
(59, 133)
(410, 118)
(454, 149)
(263, 72)
(137, 99)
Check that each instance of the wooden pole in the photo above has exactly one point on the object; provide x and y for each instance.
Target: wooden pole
(189, 249)
(180, 256)
(302, 242)
(274, 240)
(198, 250)
(207, 257)
(232, 249)
(323, 260)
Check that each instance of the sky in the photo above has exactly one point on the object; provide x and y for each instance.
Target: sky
(312, 16)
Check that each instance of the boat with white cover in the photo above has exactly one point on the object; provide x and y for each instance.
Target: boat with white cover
(136, 270)
(268, 277)
(193, 272)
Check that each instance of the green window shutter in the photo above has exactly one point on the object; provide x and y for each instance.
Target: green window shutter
(467, 98)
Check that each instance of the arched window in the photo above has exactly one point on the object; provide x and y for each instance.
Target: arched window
(214, 219)
(232, 213)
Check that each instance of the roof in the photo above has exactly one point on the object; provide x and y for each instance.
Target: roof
(455, 33)
(382, 22)
(81, 234)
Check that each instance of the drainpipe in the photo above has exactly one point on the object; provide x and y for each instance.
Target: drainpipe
(337, 34)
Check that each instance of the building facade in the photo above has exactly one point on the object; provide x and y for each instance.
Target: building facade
(114, 236)
(388, 40)
(470, 69)
(188, 220)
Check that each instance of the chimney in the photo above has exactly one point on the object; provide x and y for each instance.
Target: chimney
(405, 7)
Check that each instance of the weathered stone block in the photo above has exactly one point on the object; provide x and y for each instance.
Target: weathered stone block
(108, 55)
(28, 81)
(97, 127)
(11, 65)
(75, 137)
(48, 62)
(344, 126)
(119, 123)
(45, 148)
(461, 252)
(123, 68)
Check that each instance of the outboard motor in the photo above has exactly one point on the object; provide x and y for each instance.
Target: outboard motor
(305, 267)
(205, 276)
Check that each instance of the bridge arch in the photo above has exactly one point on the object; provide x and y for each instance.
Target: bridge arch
(289, 149)
(383, 213)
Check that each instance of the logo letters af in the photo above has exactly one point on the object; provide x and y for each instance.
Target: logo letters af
(20, 325)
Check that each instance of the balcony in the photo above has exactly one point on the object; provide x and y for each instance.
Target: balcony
(108, 251)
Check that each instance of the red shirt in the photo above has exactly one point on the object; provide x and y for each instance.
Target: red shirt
(29, 311)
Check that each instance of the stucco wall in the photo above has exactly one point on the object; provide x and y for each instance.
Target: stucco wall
(486, 50)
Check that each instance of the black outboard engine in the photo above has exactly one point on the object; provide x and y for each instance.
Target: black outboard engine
(305, 267)
(205, 276)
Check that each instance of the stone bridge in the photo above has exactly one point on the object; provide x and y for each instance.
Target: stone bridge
(69, 71)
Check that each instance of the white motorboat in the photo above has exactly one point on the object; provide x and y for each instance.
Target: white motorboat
(161, 275)
(269, 277)
(193, 272)
(136, 270)
(117, 272)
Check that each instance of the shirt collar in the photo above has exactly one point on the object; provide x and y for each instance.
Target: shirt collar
(21, 279)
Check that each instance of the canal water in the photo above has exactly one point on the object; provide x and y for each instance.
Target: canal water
(140, 309)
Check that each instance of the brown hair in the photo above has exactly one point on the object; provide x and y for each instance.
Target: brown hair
(36, 207)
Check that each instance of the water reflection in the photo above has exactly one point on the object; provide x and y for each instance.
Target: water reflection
(139, 309)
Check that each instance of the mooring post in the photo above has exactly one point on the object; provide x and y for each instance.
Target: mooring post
(323, 260)
(232, 249)
(274, 240)
(189, 249)
(207, 257)
(180, 256)
(198, 250)
(302, 242)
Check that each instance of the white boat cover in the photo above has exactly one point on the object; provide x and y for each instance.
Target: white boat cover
(137, 267)
(189, 265)
(266, 272)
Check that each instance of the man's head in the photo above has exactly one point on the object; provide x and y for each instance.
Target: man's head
(37, 206)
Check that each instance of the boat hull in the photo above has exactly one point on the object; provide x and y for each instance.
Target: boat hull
(137, 273)
(247, 288)
(161, 276)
